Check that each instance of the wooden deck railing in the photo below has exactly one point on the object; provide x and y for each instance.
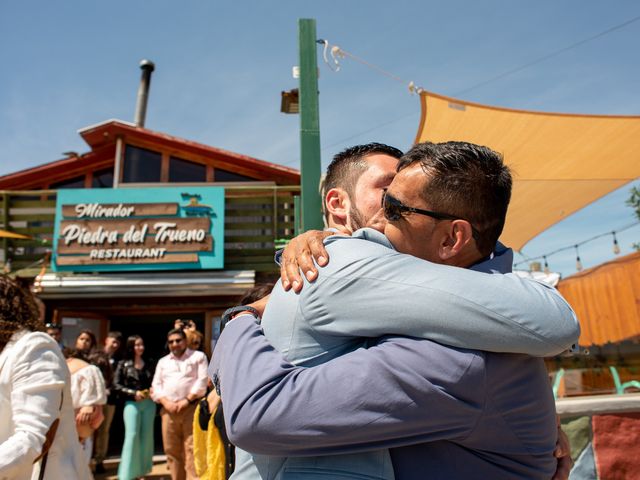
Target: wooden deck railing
(597, 405)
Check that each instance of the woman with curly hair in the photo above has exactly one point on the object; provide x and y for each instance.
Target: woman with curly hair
(37, 434)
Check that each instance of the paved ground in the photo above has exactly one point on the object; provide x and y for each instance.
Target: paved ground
(159, 471)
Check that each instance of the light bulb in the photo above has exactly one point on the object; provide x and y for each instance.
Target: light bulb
(578, 262)
(616, 247)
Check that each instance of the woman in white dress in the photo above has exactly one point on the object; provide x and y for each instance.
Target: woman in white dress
(89, 394)
(34, 394)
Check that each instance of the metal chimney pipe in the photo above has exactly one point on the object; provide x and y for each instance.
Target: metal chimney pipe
(147, 68)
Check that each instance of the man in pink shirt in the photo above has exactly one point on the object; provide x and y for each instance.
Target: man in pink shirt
(180, 380)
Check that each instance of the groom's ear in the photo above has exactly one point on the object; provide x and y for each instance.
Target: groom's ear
(337, 204)
(456, 242)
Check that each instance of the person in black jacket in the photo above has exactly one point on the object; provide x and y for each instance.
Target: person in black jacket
(111, 352)
(132, 381)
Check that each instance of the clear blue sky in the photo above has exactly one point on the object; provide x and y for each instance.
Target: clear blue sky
(220, 67)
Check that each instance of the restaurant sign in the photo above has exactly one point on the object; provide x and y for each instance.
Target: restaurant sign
(139, 229)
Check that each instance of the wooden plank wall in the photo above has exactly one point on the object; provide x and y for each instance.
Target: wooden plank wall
(27, 213)
(607, 300)
(254, 219)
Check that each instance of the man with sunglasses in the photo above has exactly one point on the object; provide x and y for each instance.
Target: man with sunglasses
(180, 380)
(474, 414)
(54, 330)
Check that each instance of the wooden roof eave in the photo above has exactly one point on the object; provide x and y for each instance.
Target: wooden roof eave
(52, 172)
(109, 131)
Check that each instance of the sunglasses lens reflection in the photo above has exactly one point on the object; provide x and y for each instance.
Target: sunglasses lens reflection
(392, 208)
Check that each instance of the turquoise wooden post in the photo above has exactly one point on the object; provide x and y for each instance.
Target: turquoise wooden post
(621, 387)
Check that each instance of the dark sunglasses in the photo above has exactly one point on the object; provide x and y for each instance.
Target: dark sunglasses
(394, 210)
(175, 341)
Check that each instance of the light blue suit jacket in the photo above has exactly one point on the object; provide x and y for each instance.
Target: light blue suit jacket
(368, 290)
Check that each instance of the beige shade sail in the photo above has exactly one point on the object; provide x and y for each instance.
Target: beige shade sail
(561, 162)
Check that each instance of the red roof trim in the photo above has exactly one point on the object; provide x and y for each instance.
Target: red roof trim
(108, 131)
(101, 138)
(57, 170)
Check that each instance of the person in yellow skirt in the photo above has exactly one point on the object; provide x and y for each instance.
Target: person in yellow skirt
(214, 454)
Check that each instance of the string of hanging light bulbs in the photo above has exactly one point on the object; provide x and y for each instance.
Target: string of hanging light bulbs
(576, 247)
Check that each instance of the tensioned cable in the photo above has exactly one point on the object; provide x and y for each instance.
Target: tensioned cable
(473, 87)
(370, 130)
(337, 51)
(548, 56)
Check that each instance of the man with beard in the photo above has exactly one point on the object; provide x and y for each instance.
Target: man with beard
(476, 417)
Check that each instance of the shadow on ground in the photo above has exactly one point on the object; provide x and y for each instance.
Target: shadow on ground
(159, 472)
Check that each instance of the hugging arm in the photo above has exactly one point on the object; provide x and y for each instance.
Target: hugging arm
(281, 409)
(392, 293)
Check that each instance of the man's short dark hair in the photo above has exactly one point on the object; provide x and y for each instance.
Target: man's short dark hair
(115, 334)
(347, 166)
(177, 331)
(256, 293)
(466, 180)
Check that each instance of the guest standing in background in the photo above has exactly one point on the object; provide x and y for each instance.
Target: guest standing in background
(195, 339)
(112, 345)
(34, 395)
(89, 395)
(86, 342)
(179, 382)
(132, 381)
(54, 330)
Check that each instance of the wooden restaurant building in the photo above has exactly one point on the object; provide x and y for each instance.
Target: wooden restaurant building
(145, 228)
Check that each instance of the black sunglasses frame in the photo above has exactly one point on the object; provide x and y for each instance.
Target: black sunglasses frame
(389, 201)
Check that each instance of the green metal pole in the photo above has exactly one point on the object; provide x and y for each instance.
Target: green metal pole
(309, 126)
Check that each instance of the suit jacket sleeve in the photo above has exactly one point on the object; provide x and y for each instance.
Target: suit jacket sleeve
(400, 392)
(37, 378)
(385, 292)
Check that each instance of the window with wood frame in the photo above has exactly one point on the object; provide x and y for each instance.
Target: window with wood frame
(181, 170)
(76, 182)
(103, 178)
(227, 176)
(141, 165)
